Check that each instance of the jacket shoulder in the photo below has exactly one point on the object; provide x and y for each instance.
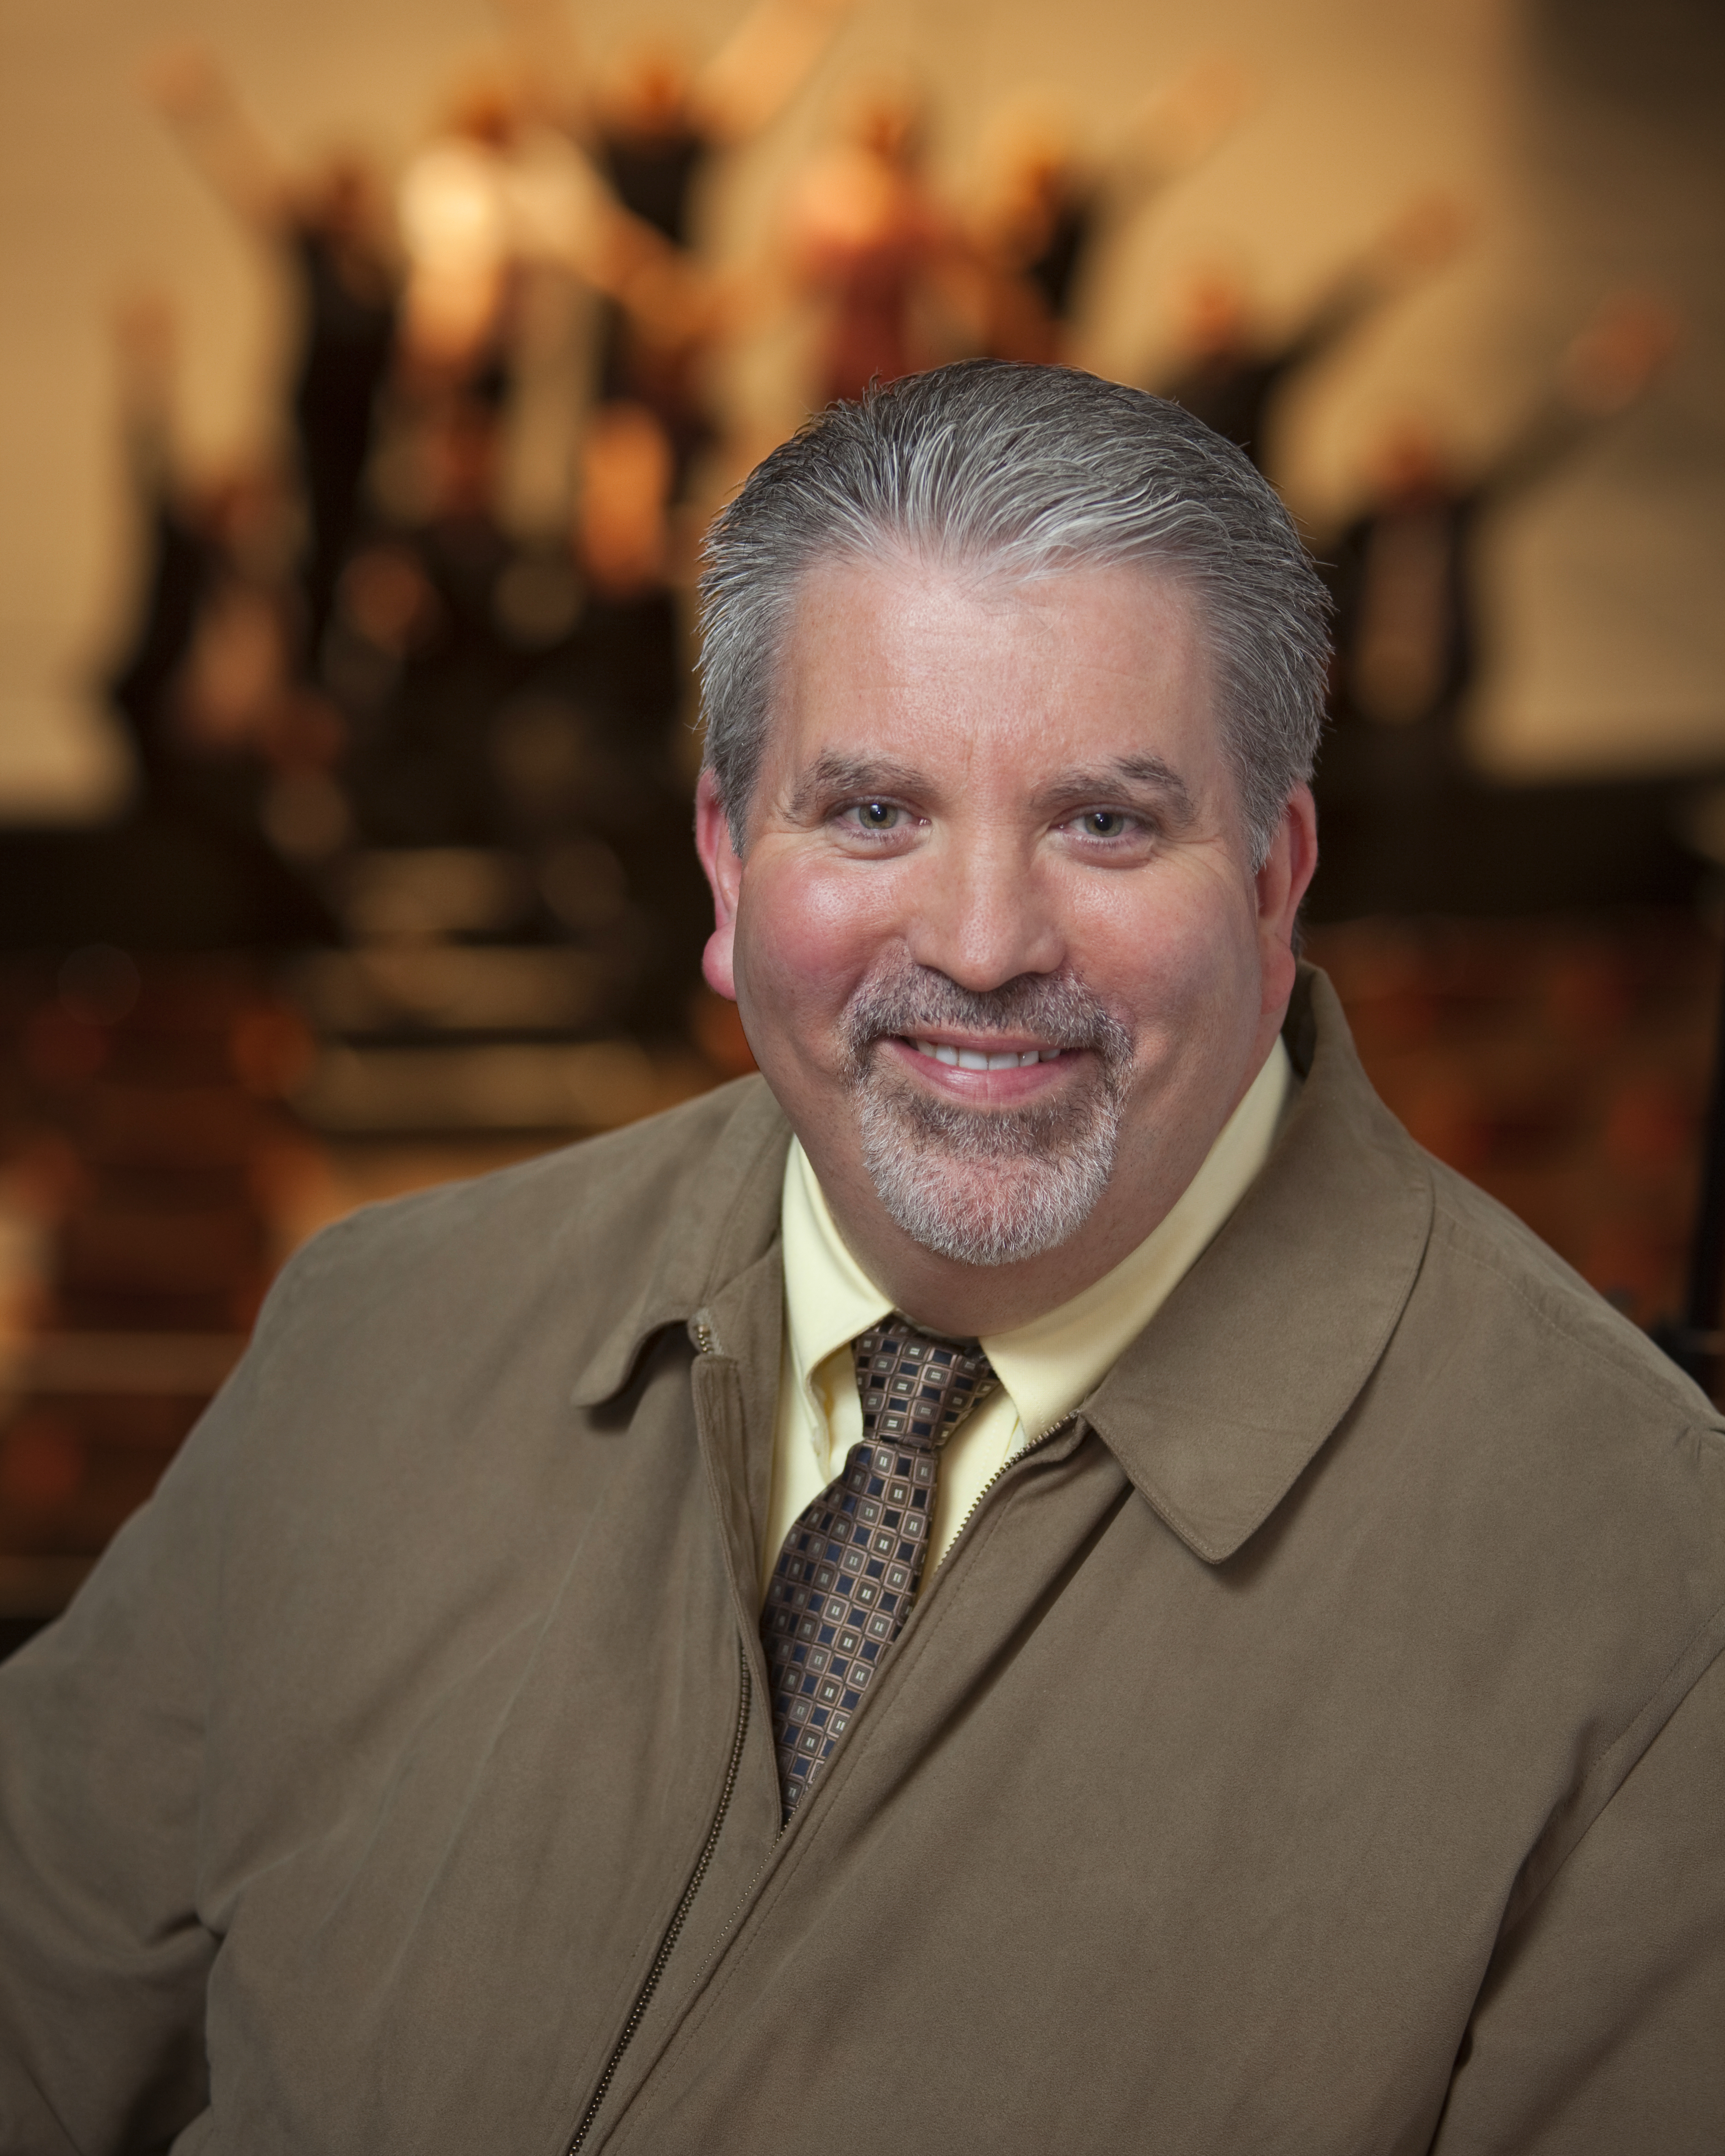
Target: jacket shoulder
(1556, 1318)
(593, 1218)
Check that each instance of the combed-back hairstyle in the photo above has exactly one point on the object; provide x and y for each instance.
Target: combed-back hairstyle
(1023, 471)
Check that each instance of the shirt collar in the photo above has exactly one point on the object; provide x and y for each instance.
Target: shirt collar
(829, 1298)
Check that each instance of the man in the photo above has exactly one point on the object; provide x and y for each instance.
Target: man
(1091, 1598)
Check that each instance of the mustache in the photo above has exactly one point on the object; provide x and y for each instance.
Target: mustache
(1056, 1010)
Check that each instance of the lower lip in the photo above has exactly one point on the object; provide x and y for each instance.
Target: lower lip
(1002, 1088)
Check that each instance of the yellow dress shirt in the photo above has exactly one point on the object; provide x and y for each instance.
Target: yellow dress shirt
(1045, 1368)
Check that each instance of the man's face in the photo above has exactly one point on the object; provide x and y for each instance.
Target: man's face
(997, 939)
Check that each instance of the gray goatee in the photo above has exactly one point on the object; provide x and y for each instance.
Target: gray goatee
(987, 1187)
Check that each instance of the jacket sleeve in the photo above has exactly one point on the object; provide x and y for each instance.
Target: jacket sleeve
(1601, 2027)
(104, 1960)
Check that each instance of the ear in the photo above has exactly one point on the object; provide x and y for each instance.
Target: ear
(720, 859)
(1282, 884)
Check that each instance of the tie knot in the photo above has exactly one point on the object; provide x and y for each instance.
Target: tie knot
(916, 1387)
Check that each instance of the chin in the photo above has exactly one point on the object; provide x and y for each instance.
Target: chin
(985, 1189)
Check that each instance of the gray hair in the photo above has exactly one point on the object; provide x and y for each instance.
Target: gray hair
(1027, 470)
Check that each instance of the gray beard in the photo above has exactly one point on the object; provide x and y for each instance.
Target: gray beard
(987, 1187)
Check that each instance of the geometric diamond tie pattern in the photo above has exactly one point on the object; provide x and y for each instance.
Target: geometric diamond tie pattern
(851, 1564)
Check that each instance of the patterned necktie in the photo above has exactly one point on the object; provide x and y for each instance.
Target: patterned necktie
(852, 1563)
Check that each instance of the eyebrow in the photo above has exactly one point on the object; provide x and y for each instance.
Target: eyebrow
(1124, 772)
(833, 774)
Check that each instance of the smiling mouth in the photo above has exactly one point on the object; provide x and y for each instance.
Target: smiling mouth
(976, 1059)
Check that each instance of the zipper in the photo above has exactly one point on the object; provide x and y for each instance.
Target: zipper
(667, 1944)
(1003, 1470)
(702, 1335)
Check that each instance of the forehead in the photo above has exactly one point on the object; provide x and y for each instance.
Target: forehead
(994, 671)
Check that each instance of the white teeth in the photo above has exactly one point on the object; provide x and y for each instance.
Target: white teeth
(973, 1058)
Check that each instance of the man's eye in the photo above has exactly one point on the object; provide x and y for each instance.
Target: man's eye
(878, 815)
(1104, 823)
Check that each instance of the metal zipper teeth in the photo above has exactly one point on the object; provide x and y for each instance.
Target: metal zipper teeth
(1004, 1469)
(667, 1944)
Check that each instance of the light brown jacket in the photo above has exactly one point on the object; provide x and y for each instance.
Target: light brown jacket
(1315, 1746)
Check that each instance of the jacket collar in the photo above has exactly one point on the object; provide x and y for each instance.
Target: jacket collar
(724, 1219)
(1225, 1399)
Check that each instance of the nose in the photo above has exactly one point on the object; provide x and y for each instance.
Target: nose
(981, 914)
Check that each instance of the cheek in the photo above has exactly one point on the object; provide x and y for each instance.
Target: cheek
(1178, 955)
(805, 939)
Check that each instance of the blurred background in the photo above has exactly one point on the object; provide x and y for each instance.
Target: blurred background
(373, 371)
